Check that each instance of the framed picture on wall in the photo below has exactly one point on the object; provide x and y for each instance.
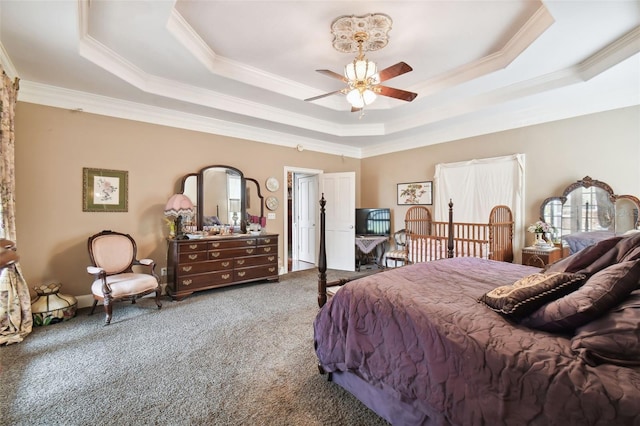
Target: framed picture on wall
(104, 190)
(415, 193)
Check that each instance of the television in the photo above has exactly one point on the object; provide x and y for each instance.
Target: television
(373, 222)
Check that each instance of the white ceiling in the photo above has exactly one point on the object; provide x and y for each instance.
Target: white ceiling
(243, 68)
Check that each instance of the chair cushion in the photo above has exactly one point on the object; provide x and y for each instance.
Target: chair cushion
(127, 284)
(397, 254)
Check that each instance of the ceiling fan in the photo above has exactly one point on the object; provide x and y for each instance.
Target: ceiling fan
(361, 76)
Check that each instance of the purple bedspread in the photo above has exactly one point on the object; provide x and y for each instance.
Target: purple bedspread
(419, 334)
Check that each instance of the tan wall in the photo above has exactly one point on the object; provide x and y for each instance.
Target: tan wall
(52, 147)
(605, 146)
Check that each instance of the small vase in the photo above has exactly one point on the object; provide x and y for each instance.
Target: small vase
(51, 307)
(540, 241)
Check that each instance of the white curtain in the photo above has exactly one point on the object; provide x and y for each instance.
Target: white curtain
(476, 186)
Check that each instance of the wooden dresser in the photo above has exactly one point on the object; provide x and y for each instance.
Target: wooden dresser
(194, 265)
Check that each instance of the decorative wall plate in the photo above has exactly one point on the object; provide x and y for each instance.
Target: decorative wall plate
(272, 202)
(272, 184)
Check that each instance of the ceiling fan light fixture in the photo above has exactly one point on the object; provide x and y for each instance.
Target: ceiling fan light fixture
(360, 70)
(359, 98)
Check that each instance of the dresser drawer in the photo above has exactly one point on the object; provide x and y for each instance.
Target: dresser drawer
(266, 249)
(243, 274)
(203, 267)
(236, 252)
(264, 241)
(191, 247)
(192, 282)
(214, 245)
(255, 260)
(193, 257)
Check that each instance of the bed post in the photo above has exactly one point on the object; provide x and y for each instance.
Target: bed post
(322, 259)
(450, 232)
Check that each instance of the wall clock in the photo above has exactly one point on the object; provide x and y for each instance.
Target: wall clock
(272, 184)
(272, 202)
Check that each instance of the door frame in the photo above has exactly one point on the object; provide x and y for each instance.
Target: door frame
(285, 218)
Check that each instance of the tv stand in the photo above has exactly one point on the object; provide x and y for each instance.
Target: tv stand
(366, 245)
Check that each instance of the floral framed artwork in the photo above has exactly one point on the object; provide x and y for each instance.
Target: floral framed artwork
(104, 190)
(415, 193)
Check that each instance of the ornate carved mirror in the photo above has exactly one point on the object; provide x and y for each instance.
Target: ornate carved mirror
(588, 211)
(220, 195)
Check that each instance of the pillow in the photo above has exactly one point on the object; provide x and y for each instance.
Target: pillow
(613, 338)
(529, 293)
(599, 252)
(601, 292)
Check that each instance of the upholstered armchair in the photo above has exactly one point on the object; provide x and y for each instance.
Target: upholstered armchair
(113, 256)
(399, 252)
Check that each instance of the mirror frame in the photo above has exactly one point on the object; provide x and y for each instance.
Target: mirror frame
(243, 196)
(588, 182)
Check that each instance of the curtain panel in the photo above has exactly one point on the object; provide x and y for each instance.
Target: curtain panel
(476, 186)
(15, 304)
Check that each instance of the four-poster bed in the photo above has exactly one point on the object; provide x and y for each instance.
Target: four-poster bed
(434, 343)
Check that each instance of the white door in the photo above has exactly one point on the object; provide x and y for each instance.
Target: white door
(339, 190)
(306, 217)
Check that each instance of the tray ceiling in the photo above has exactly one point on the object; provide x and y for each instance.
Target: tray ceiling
(243, 68)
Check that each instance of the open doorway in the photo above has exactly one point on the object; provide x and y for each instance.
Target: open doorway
(301, 218)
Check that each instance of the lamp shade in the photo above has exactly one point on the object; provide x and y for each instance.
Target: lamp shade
(234, 205)
(359, 99)
(360, 70)
(178, 205)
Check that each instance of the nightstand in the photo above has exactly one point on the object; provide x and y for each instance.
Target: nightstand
(540, 257)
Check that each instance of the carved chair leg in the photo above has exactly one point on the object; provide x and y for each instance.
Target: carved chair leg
(108, 310)
(93, 307)
(158, 302)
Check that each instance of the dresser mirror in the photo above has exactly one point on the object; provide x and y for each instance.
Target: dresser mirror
(588, 211)
(222, 196)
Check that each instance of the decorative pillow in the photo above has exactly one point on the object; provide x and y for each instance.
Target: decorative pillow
(529, 293)
(613, 338)
(599, 252)
(601, 292)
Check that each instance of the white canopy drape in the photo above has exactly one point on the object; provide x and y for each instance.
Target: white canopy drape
(476, 186)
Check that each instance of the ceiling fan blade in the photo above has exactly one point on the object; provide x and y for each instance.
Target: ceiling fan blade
(394, 71)
(354, 109)
(396, 93)
(323, 96)
(333, 74)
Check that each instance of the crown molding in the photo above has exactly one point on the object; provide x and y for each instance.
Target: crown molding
(32, 92)
(535, 26)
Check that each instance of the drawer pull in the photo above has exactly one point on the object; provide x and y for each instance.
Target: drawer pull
(186, 268)
(193, 246)
(193, 256)
(186, 282)
(272, 269)
(225, 264)
(241, 273)
(240, 261)
(267, 249)
(249, 251)
(271, 258)
(267, 240)
(215, 244)
(215, 254)
(225, 276)
(250, 242)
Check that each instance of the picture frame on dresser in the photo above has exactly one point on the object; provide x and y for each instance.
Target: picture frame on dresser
(105, 190)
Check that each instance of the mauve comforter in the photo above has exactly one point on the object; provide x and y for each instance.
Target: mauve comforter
(419, 334)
